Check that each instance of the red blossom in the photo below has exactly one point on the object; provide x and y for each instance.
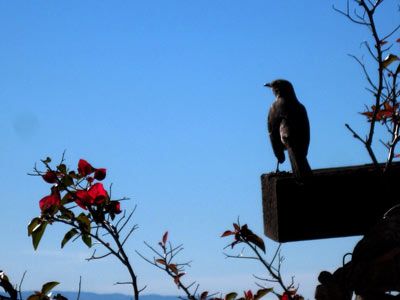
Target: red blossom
(50, 177)
(84, 168)
(95, 195)
(83, 199)
(114, 207)
(98, 193)
(248, 295)
(49, 203)
(285, 296)
(100, 174)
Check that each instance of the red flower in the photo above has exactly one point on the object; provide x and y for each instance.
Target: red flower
(100, 174)
(114, 207)
(50, 177)
(248, 295)
(84, 168)
(51, 202)
(83, 199)
(97, 193)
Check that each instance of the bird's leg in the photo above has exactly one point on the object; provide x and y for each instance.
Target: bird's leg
(277, 167)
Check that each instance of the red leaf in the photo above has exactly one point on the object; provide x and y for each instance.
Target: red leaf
(236, 226)
(227, 233)
(398, 40)
(161, 261)
(369, 114)
(173, 268)
(177, 278)
(165, 238)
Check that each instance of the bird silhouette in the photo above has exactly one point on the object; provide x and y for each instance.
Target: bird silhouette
(289, 128)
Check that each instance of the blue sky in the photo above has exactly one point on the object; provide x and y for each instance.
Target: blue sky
(169, 97)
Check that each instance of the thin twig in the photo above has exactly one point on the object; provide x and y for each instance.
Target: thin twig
(79, 288)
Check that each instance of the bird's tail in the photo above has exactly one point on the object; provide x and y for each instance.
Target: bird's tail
(300, 166)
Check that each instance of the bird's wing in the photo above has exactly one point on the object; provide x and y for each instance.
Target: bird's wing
(274, 121)
(284, 132)
(296, 140)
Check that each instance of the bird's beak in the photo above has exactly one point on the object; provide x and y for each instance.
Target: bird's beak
(268, 84)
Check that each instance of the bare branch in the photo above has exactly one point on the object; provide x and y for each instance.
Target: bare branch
(20, 285)
(123, 282)
(347, 15)
(93, 256)
(368, 77)
(240, 256)
(127, 220)
(355, 134)
(391, 33)
(79, 288)
(129, 234)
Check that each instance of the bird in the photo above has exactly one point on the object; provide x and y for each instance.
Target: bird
(289, 128)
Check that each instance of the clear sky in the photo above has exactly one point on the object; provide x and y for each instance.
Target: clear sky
(169, 97)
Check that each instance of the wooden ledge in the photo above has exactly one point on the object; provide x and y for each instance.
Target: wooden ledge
(334, 202)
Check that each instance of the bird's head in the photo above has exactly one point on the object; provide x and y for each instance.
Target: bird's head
(281, 87)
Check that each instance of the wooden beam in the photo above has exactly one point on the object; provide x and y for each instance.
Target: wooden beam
(335, 202)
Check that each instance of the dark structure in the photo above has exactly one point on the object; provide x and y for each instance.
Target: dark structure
(333, 202)
(374, 268)
(289, 128)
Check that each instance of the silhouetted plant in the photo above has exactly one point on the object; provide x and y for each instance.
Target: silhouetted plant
(382, 78)
(165, 259)
(243, 235)
(79, 200)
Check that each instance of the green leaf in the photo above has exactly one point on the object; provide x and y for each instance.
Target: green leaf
(262, 292)
(33, 225)
(231, 296)
(47, 287)
(87, 240)
(37, 234)
(59, 297)
(33, 297)
(73, 175)
(69, 235)
(389, 59)
(66, 214)
(62, 168)
(47, 160)
(84, 223)
(251, 237)
(67, 180)
(256, 240)
(204, 295)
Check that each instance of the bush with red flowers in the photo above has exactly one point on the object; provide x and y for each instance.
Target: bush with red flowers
(79, 199)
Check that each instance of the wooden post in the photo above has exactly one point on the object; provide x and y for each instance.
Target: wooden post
(333, 202)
